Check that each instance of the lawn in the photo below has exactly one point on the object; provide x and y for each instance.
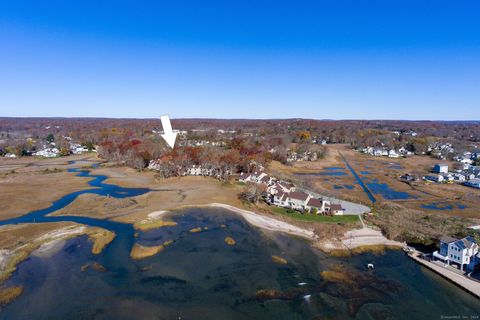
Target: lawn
(313, 217)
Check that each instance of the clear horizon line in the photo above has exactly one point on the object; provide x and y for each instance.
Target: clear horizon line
(236, 119)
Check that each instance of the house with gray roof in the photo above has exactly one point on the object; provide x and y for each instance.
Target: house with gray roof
(460, 252)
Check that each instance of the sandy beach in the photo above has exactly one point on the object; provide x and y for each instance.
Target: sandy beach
(49, 249)
(267, 223)
(367, 237)
(355, 238)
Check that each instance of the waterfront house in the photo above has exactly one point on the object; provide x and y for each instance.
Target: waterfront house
(298, 200)
(440, 168)
(279, 199)
(336, 209)
(462, 253)
(316, 204)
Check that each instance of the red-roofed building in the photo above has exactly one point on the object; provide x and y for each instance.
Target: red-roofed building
(317, 204)
(298, 200)
(336, 209)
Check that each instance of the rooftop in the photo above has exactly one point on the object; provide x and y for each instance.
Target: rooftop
(298, 195)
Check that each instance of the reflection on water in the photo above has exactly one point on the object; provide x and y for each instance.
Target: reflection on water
(199, 276)
(386, 192)
(323, 173)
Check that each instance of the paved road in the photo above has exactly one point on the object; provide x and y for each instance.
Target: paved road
(351, 208)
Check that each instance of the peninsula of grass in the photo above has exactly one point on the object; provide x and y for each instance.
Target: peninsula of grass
(314, 217)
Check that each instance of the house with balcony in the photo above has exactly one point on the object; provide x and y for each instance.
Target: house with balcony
(462, 253)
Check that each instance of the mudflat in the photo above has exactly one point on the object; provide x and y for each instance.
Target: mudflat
(35, 184)
(168, 194)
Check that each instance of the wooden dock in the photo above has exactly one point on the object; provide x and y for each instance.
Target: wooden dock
(469, 285)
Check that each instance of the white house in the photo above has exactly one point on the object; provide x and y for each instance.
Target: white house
(279, 199)
(198, 171)
(461, 252)
(47, 153)
(440, 168)
(393, 154)
(434, 178)
(447, 177)
(286, 186)
(380, 152)
(77, 148)
(317, 204)
(298, 200)
(336, 209)
(464, 160)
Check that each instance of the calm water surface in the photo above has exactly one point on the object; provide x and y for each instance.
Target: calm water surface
(199, 276)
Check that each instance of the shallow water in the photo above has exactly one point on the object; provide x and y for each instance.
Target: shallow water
(199, 276)
(332, 173)
(359, 181)
(388, 193)
(443, 206)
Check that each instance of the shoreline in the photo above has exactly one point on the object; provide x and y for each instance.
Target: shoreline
(470, 286)
(48, 244)
(267, 223)
(353, 241)
(49, 249)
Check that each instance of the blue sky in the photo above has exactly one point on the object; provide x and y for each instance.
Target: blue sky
(395, 59)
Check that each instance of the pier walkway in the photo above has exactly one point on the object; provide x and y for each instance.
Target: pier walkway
(470, 285)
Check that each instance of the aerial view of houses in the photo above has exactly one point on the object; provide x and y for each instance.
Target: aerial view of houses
(240, 160)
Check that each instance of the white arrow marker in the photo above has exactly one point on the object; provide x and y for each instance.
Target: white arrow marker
(168, 133)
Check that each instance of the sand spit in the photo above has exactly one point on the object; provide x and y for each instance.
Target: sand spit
(63, 233)
(48, 249)
(154, 220)
(268, 223)
(141, 252)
